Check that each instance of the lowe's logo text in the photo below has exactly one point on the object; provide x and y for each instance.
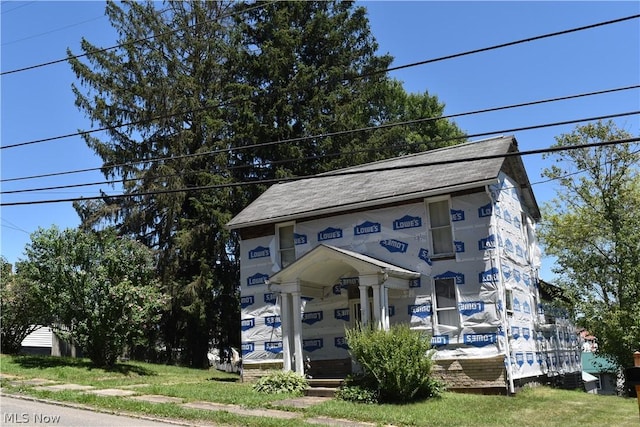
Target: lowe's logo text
(487, 243)
(480, 340)
(342, 314)
(273, 346)
(246, 301)
(367, 227)
(439, 340)
(489, 276)
(393, 245)
(423, 254)
(407, 221)
(415, 283)
(299, 239)
(341, 342)
(312, 345)
(247, 347)
(273, 321)
(247, 324)
(457, 277)
(259, 252)
(471, 307)
(457, 215)
(420, 310)
(270, 298)
(312, 317)
(329, 233)
(484, 211)
(257, 279)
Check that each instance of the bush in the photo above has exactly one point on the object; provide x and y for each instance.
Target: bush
(281, 382)
(357, 393)
(396, 363)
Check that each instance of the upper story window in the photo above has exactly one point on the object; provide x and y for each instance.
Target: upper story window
(440, 227)
(286, 245)
(446, 302)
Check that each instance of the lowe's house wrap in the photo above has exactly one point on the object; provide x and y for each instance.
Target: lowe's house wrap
(442, 240)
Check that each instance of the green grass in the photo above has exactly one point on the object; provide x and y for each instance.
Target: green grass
(531, 407)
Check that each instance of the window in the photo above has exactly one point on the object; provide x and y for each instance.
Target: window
(440, 227)
(446, 304)
(286, 246)
(508, 304)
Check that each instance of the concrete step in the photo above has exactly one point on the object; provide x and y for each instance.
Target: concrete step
(326, 382)
(320, 391)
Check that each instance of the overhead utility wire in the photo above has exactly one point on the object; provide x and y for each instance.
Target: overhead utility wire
(57, 61)
(223, 150)
(498, 46)
(331, 174)
(449, 116)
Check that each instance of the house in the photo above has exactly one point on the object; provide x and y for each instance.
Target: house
(608, 376)
(442, 240)
(45, 341)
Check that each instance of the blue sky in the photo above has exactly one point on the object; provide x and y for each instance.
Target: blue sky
(39, 104)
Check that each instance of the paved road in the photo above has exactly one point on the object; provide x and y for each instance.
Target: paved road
(28, 413)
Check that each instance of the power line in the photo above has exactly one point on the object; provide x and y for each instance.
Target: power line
(450, 116)
(499, 46)
(330, 174)
(133, 42)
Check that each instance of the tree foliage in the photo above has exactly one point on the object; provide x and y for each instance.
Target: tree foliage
(21, 311)
(591, 227)
(101, 289)
(228, 93)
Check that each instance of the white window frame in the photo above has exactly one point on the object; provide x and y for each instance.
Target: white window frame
(437, 309)
(430, 228)
(279, 248)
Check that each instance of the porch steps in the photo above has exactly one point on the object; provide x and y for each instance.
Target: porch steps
(323, 387)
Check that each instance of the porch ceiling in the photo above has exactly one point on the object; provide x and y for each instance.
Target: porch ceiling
(324, 266)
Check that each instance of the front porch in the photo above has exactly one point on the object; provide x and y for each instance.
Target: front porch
(314, 275)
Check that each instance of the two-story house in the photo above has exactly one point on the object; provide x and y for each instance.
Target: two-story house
(442, 240)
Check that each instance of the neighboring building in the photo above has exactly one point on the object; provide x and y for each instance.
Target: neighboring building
(44, 341)
(445, 245)
(604, 371)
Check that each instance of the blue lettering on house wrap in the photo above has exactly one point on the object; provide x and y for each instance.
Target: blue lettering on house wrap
(312, 344)
(486, 243)
(259, 252)
(507, 216)
(415, 283)
(515, 332)
(299, 239)
(439, 340)
(526, 278)
(246, 301)
(517, 275)
(520, 358)
(257, 279)
(526, 333)
(329, 233)
(516, 305)
(270, 298)
(367, 227)
(485, 211)
(526, 308)
(246, 324)
(457, 215)
(393, 245)
(480, 340)
(506, 271)
(407, 221)
(423, 254)
(508, 246)
(341, 342)
(457, 277)
(273, 347)
(459, 246)
(422, 311)
(337, 289)
(489, 276)
(470, 308)
(345, 282)
(539, 358)
(273, 321)
(530, 358)
(247, 347)
(519, 251)
(516, 222)
(341, 314)
(312, 317)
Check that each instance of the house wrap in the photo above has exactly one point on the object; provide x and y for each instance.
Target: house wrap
(442, 240)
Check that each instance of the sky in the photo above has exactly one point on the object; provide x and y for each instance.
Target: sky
(38, 103)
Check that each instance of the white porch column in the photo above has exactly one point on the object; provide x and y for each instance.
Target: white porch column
(377, 307)
(285, 321)
(364, 304)
(297, 333)
(386, 322)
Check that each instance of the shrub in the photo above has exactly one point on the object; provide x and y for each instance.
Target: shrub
(281, 382)
(357, 393)
(398, 362)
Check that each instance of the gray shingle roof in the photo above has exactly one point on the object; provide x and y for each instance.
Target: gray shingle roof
(393, 180)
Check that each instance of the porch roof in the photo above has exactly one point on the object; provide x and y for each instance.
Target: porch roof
(325, 265)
